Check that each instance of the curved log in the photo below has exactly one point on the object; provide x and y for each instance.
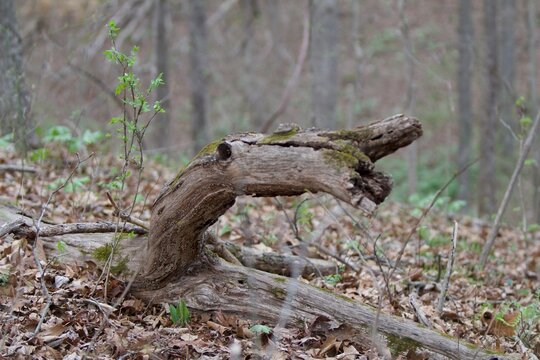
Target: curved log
(287, 162)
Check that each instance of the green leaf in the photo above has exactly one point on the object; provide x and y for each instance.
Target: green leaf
(6, 141)
(525, 121)
(113, 30)
(115, 120)
(533, 228)
(59, 133)
(333, 279)
(157, 107)
(225, 230)
(155, 83)
(258, 329)
(175, 317)
(183, 312)
(423, 233)
(91, 137)
(61, 247)
(530, 162)
(39, 154)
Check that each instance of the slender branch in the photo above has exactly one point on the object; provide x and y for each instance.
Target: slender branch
(37, 226)
(126, 217)
(424, 214)
(99, 83)
(17, 168)
(22, 229)
(449, 268)
(420, 314)
(506, 199)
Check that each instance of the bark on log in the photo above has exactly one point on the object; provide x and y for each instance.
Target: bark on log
(288, 162)
(281, 264)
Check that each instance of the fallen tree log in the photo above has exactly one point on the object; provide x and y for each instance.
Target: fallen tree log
(176, 264)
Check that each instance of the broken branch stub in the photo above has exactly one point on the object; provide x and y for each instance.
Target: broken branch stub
(290, 161)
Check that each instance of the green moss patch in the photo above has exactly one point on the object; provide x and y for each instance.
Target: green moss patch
(358, 135)
(280, 135)
(102, 253)
(279, 292)
(399, 345)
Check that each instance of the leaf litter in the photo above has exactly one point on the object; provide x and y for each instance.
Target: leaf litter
(508, 287)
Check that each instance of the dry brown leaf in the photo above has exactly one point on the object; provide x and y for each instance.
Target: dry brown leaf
(217, 327)
(501, 327)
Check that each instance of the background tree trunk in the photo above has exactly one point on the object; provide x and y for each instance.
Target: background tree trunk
(507, 71)
(15, 114)
(410, 98)
(161, 52)
(323, 62)
(532, 39)
(487, 180)
(354, 89)
(198, 59)
(251, 84)
(464, 80)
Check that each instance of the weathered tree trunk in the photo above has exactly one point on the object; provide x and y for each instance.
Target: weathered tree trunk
(14, 98)
(487, 180)
(198, 60)
(288, 162)
(464, 83)
(324, 62)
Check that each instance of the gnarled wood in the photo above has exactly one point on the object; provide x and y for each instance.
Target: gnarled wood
(287, 162)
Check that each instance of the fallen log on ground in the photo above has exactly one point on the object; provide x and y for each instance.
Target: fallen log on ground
(177, 265)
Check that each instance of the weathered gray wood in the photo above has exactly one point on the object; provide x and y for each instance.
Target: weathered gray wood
(279, 263)
(287, 162)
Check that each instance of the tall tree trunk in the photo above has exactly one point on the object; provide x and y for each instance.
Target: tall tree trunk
(15, 114)
(507, 71)
(355, 92)
(250, 83)
(464, 80)
(324, 62)
(162, 122)
(532, 39)
(487, 180)
(198, 59)
(410, 98)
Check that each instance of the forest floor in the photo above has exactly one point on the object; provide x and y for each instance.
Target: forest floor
(82, 297)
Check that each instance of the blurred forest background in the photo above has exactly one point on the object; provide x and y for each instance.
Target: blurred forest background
(467, 69)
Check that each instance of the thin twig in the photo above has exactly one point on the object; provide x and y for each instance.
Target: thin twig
(37, 225)
(506, 199)
(126, 217)
(424, 214)
(449, 268)
(422, 318)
